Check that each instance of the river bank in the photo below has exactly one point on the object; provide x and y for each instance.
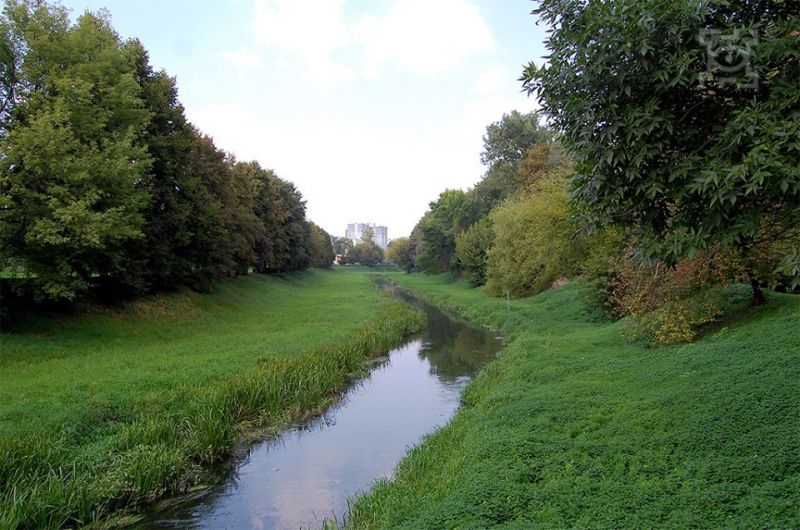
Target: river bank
(310, 471)
(112, 408)
(575, 426)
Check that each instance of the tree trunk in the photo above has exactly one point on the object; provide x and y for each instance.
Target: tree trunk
(758, 293)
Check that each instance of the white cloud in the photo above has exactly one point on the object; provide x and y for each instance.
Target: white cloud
(309, 29)
(423, 37)
(245, 60)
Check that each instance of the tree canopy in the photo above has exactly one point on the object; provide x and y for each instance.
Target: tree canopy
(689, 157)
(104, 184)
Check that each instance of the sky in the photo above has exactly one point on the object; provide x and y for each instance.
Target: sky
(371, 107)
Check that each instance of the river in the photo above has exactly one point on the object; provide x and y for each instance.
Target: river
(309, 472)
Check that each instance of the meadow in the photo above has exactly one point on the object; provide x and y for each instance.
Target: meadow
(112, 407)
(575, 426)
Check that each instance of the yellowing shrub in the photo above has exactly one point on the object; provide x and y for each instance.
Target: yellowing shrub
(533, 243)
(669, 304)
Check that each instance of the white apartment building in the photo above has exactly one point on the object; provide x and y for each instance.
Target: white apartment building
(380, 234)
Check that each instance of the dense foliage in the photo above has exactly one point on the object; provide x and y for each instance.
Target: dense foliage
(472, 246)
(366, 252)
(401, 253)
(669, 173)
(104, 183)
(533, 243)
(506, 146)
(690, 147)
(670, 304)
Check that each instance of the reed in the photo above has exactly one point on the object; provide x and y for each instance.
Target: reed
(86, 471)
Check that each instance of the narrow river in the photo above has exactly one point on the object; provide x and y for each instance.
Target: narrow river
(308, 473)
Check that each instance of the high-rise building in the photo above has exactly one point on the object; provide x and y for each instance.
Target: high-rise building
(380, 234)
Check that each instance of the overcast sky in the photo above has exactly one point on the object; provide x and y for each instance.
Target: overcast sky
(371, 107)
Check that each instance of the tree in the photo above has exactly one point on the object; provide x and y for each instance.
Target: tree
(320, 247)
(507, 140)
(449, 215)
(534, 242)
(690, 160)
(181, 224)
(366, 252)
(472, 247)
(401, 253)
(284, 246)
(71, 159)
(342, 245)
(234, 225)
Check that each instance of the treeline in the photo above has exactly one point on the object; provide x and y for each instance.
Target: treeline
(676, 186)
(105, 187)
(488, 232)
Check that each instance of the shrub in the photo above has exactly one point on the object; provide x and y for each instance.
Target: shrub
(669, 304)
(536, 241)
(472, 247)
(401, 253)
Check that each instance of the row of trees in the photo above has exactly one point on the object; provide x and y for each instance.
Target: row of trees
(365, 252)
(433, 244)
(103, 181)
(668, 189)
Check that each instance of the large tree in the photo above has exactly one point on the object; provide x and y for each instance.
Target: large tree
(182, 223)
(452, 213)
(71, 157)
(506, 141)
(285, 244)
(320, 246)
(691, 143)
(401, 253)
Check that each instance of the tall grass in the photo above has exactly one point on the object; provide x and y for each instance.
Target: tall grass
(85, 471)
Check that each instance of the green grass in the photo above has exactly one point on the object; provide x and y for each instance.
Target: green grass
(112, 408)
(574, 426)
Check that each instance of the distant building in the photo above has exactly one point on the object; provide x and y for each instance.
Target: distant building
(381, 237)
(380, 234)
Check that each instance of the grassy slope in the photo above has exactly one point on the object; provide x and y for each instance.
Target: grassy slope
(576, 427)
(108, 409)
(57, 370)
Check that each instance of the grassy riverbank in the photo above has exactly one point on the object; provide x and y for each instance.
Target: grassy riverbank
(574, 426)
(110, 408)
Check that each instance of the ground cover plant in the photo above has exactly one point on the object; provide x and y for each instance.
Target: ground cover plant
(111, 408)
(575, 426)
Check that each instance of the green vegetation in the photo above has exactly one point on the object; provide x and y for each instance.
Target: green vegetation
(401, 253)
(688, 157)
(574, 426)
(434, 238)
(106, 190)
(660, 174)
(472, 247)
(365, 252)
(111, 408)
(533, 243)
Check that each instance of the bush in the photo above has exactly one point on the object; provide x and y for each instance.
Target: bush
(534, 242)
(472, 247)
(401, 253)
(669, 304)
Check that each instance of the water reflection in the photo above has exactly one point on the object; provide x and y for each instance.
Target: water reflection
(309, 472)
